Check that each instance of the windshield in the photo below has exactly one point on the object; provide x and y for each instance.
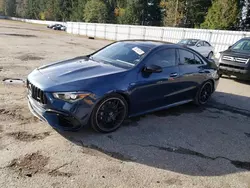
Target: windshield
(188, 42)
(125, 53)
(242, 45)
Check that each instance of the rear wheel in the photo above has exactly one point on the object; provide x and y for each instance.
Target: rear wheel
(109, 114)
(204, 93)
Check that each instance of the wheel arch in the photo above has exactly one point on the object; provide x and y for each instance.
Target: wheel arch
(121, 93)
(213, 83)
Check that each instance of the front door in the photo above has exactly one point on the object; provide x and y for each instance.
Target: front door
(155, 90)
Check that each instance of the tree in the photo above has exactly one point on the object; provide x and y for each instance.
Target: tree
(78, 10)
(2, 7)
(174, 12)
(222, 15)
(95, 11)
(10, 7)
(196, 10)
(141, 12)
(52, 10)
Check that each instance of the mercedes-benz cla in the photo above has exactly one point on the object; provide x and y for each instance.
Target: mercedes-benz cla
(123, 79)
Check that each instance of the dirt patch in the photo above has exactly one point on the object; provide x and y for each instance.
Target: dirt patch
(27, 137)
(16, 114)
(28, 57)
(1, 128)
(74, 43)
(29, 165)
(20, 35)
(173, 181)
(58, 173)
(34, 163)
(21, 28)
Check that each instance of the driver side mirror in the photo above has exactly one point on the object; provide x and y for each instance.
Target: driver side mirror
(198, 45)
(152, 69)
(229, 47)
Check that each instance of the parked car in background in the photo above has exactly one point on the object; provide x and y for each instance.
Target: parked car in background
(235, 61)
(57, 27)
(201, 46)
(124, 79)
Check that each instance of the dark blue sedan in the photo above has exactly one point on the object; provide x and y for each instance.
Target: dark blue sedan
(123, 79)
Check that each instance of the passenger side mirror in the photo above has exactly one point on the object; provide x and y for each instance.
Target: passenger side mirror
(152, 69)
(198, 45)
(229, 47)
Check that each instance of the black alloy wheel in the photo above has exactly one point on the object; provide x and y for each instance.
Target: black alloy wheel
(109, 114)
(204, 93)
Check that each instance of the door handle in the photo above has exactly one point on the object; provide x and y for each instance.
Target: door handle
(174, 74)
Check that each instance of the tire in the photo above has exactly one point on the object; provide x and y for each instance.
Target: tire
(109, 114)
(204, 93)
(210, 55)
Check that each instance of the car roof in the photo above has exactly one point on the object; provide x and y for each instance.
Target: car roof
(149, 43)
(191, 39)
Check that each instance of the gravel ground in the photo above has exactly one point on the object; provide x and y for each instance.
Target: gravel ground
(184, 146)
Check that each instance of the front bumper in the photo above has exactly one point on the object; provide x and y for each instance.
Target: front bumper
(59, 119)
(242, 73)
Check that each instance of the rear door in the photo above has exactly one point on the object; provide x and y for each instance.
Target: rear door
(192, 73)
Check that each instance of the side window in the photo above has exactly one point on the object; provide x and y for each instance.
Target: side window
(201, 43)
(197, 60)
(189, 58)
(163, 58)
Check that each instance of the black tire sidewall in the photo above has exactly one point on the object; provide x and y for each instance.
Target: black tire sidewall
(93, 123)
(197, 98)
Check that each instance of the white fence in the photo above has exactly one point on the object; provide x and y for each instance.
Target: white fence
(220, 39)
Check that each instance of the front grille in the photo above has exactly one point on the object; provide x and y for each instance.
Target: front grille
(36, 93)
(232, 66)
(235, 59)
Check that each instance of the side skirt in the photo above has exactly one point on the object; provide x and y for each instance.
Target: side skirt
(162, 108)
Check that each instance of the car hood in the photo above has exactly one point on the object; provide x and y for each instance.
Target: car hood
(80, 68)
(236, 53)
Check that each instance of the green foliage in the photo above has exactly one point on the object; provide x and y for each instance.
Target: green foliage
(95, 11)
(141, 12)
(78, 10)
(214, 14)
(2, 7)
(174, 12)
(10, 7)
(196, 12)
(222, 15)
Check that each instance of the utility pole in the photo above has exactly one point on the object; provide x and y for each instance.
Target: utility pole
(176, 13)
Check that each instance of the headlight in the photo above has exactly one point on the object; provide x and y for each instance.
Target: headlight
(71, 96)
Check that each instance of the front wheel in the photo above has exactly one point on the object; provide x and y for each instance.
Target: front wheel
(109, 114)
(204, 93)
(210, 55)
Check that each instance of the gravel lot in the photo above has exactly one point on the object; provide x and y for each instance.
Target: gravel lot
(181, 147)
